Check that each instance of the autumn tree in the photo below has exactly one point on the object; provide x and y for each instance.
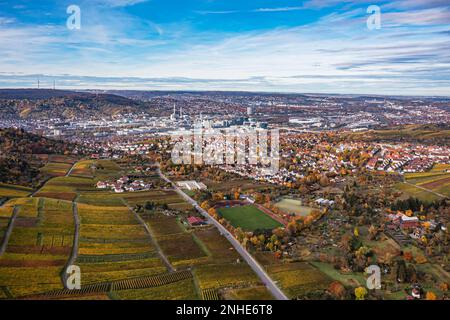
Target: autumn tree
(360, 293)
(205, 205)
(430, 296)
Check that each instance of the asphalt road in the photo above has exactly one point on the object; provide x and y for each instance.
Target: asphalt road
(268, 282)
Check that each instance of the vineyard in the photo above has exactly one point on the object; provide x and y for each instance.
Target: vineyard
(128, 284)
(121, 255)
(38, 247)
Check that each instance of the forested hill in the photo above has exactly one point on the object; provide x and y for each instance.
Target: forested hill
(45, 104)
(17, 141)
(19, 163)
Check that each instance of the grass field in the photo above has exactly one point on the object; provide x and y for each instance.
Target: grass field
(293, 206)
(249, 218)
(348, 279)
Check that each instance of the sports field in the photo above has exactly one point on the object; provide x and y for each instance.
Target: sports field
(293, 206)
(249, 218)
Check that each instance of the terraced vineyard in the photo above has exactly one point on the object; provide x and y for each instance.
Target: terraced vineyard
(39, 246)
(66, 188)
(298, 279)
(13, 191)
(114, 246)
(121, 255)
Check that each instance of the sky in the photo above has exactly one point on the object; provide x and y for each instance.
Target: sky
(311, 46)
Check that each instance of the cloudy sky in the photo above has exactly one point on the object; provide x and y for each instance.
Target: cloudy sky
(320, 46)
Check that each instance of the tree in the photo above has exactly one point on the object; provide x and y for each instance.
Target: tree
(324, 181)
(205, 205)
(213, 212)
(400, 272)
(292, 227)
(430, 296)
(218, 196)
(360, 293)
(259, 198)
(337, 289)
(373, 232)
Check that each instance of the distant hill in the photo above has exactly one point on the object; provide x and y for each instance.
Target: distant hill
(427, 133)
(44, 103)
(35, 94)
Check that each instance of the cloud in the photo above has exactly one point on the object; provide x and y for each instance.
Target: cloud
(117, 3)
(216, 12)
(337, 53)
(280, 9)
(4, 21)
(432, 16)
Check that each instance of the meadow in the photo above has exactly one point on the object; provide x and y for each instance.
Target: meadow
(249, 218)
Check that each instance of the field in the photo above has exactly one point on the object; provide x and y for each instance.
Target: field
(413, 132)
(114, 246)
(293, 206)
(56, 169)
(83, 169)
(298, 279)
(254, 293)
(412, 191)
(13, 191)
(38, 248)
(348, 279)
(243, 184)
(108, 198)
(225, 275)
(249, 218)
(183, 290)
(437, 179)
(65, 188)
(62, 159)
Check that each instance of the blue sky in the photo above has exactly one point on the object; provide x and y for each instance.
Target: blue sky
(321, 46)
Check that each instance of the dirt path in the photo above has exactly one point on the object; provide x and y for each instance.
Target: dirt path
(75, 245)
(428, 190)
(9, 230)
(152, 238)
